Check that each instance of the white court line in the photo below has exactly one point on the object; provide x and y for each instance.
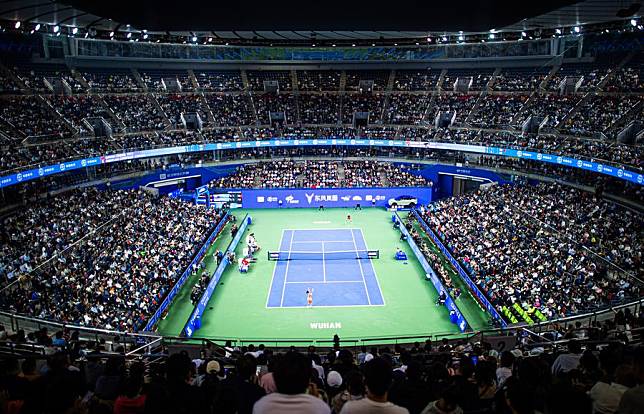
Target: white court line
(286, 272)
(336, 228)
(360, 265)
(322, 241)
(375, 275)
(323, 264)
(270, 287)
(325, 306)
(328, 283)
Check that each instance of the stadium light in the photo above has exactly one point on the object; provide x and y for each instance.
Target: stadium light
(492, 36)
(461, 37)
(74, 30)
(333, 45)
(194, 38)
(558, 31)
(129, 35)
(56, 29)
(373, 45)
(17, 25)
(577, 29)
(523, 34)
(111, 34)
(633, 23)
(145, 36)
(86, 35)
(210, 39)
(444, 38)
(37, 27)
(353, 44)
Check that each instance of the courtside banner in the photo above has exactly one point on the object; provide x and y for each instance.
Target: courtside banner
(613, 171)
(459, 269)
(438, 285)
(177, 286)
(194, 322)
(334, 197)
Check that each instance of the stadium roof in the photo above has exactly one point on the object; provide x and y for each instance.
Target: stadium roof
(291, 20)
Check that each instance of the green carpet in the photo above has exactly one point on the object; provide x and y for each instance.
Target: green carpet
(237, 309)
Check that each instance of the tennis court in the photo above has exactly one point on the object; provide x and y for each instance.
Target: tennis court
(334, 263)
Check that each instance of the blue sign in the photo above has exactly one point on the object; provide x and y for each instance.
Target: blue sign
(182, 280)
(195, 319)
(612, 171)
(331, 197)
(449, 302)
(466, 278)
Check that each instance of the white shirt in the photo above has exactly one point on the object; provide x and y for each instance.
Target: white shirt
(502, 374)
(283, 403)
(565, 363)
(606, 397)
(367, 406)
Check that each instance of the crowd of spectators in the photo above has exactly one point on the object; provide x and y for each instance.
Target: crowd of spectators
(318, 80)
(219, 81)
(496, 111)
(595, 371)
(106, 259)
(599, 114)
(319, 108)
(319, 174)
(137, 112)
(111, 81)
(544, 247)
(406, 109)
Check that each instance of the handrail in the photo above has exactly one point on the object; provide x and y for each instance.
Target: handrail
(277, 142)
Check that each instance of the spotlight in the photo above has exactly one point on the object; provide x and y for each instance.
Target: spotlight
(492, 36)
(56, 29)
(194, 38)
(353, 44)
(577, 29)
(129, 35)
(558, 31)
(429, 39)
(75, 30)
(461, 37)
(17, 26)
(111, 34)
(633, 23)
(86, 35)
(373, 45)
(210, 39)
(333, 45)
(523, 34)
(313, 45)
(37, 27)
(145, 36)
(444, 38)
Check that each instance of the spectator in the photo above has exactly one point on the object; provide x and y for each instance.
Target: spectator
(378, 377)
(292, 379)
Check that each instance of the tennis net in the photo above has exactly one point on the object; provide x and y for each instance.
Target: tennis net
(325, 255)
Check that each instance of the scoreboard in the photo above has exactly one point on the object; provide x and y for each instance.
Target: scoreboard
(232, 199)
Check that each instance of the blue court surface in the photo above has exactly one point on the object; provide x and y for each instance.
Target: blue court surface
(335, 279)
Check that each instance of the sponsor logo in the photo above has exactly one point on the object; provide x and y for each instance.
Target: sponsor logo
(219, 146)
(579, 163)
(62, 167)
(291, 200)
(640, 178)
(309, 197)
(539, 156)
(238, 144)
(19, 177)
(519, 153)
(357, 198)
(559, 160)
(325, 325)
(345, 198)
(620, 173)
(41, 171)
(83, 163)
(260, 199)
(600, 168)
(162, 176)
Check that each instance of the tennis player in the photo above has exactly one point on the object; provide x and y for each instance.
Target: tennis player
(349, 219)
(309, 297)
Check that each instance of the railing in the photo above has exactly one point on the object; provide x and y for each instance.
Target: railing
(609, 170)
(461, 322)
(194, 322)
(177, 286)
(459, 269)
